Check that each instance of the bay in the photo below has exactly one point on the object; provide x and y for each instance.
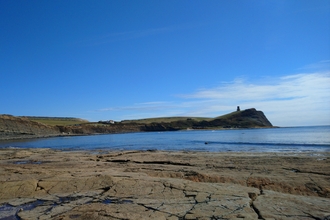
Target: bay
(288, 139)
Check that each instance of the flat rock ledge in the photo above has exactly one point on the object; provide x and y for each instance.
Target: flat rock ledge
(50, 184)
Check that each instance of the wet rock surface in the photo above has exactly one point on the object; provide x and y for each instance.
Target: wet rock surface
(48, 184)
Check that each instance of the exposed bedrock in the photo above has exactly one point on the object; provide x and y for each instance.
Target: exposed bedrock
(47, 184)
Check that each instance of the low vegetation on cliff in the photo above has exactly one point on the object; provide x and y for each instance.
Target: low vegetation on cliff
(61, 121)
(30, 127)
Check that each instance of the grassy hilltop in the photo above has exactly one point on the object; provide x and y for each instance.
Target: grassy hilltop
(31, 127)
(61, 121)
(165, 120)
(249, 118)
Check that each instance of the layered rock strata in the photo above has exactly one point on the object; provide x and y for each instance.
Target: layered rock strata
(19, 127)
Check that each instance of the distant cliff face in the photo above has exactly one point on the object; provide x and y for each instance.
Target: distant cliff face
(97, 128)
(17, 127)
(249, 118)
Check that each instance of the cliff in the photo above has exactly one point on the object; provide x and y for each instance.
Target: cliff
(21, 127)
(249, 118)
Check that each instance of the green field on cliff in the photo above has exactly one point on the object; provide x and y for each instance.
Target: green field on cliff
(166, 120)
(61, 121)
(174, 119)
(245, 118)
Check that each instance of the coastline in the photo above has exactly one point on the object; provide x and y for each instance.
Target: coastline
(34, 136)
(163, 185)
(31, 137)
(12, 127)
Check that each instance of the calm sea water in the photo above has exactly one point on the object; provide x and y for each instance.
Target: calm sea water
(294, 139)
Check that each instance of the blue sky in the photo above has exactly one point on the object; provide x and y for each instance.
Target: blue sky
(119, 60)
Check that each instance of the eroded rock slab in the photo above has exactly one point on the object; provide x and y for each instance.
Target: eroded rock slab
(163, 185)
(285, 206)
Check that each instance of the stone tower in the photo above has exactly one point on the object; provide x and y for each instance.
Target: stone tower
(238, 109)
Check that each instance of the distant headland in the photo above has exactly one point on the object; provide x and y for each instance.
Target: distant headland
(22, 127)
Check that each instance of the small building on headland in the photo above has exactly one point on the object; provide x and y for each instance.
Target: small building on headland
(107, 122)
(238, 108)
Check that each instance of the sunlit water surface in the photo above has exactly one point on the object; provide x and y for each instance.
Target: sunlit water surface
(293, 139)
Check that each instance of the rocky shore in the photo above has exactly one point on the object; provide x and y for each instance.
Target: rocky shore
(49, 184)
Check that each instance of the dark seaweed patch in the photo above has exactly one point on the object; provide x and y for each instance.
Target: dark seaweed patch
(117, 201)
(9, 212)
(27, 162)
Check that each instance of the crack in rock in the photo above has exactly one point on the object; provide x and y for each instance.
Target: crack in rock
(253, 196)
(166, 186)
(295, 170)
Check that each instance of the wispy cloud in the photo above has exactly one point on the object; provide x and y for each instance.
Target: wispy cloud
(285, 88)
(318, 66)
(147, 106)
(300, 99)
(293, 100)
(127, 35)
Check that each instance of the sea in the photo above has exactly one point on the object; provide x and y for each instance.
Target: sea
(284, 139)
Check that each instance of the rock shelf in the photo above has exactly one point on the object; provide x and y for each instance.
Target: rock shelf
(51, 184)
